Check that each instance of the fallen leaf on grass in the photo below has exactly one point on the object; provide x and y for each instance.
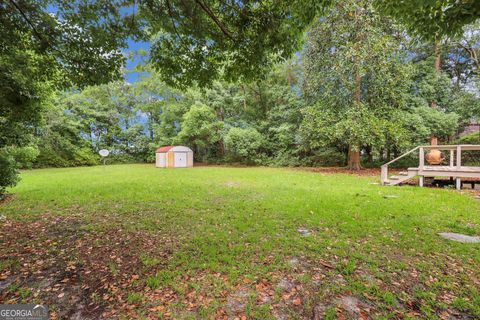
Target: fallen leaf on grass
(326, 264)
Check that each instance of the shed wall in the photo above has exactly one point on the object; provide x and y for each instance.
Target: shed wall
(170, 163)
(160, 160)
(189, 159)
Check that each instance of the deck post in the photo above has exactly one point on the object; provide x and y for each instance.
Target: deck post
(421, 159)
(384, 174)
(453, 168)
(459, 157)
(458, 183)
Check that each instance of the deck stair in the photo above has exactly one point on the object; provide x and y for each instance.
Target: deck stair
(454, 169)
(401, 177)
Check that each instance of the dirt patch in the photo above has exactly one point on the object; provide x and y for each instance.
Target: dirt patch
(237, 301)
(353, 306)
(231, 184)
(79, 273)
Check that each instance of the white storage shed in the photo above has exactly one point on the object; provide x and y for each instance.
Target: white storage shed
(174, 157)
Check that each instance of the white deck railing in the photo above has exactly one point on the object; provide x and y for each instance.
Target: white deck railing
(455, 154)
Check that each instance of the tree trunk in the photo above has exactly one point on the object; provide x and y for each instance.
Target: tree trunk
(369, 152)
(358, 86)
(221, 147)
(150, 127)
(354, 151)
(353, 158)
(436, 65)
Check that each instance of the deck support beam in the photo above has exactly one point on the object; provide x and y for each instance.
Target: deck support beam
(458, 183)
(421, 181)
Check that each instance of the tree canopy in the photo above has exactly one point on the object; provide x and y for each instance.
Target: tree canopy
(432, 19)
(58, 60)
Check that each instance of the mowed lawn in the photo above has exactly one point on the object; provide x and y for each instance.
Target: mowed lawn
(133, 241)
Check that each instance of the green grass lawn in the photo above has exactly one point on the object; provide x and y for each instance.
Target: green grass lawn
(133, 241)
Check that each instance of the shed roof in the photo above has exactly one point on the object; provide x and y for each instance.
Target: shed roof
(173, 148)
(164, 149)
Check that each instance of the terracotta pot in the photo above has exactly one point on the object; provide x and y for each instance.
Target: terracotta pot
(435, 157)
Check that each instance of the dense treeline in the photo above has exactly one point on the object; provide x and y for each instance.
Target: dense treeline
(360, 91)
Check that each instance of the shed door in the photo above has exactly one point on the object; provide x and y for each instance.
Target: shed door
(181, 159)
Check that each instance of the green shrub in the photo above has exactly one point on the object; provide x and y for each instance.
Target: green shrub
(49, 157)
(24, 156)
(287, 158)
(85, 157)
(326, 157)
(473, 138)
(243, 144)
(8, 171)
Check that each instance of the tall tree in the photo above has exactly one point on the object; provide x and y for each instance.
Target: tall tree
(356, 77)
(200, 128)
(46, 45)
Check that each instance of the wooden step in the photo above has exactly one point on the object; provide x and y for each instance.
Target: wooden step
(403, 173)
(394, 178)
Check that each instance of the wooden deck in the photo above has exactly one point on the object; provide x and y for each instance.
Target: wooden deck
(448, 171)
(455, 169)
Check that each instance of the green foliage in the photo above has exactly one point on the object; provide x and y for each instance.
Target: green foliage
(436, 122)
(204, 40)
(356, 80)
(473, 138)
(243, 144)
(466, 105)
(8, 171)
(200, 127)
(430, 85)
(24, 156)
(11, 160)
(431, 18)
(326, 157)
(304, 111)
(74, 40)
(470, 158)
(41, 51)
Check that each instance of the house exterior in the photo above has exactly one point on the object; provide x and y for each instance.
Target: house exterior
(472, 127)
(174, 157)
(469, 129)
